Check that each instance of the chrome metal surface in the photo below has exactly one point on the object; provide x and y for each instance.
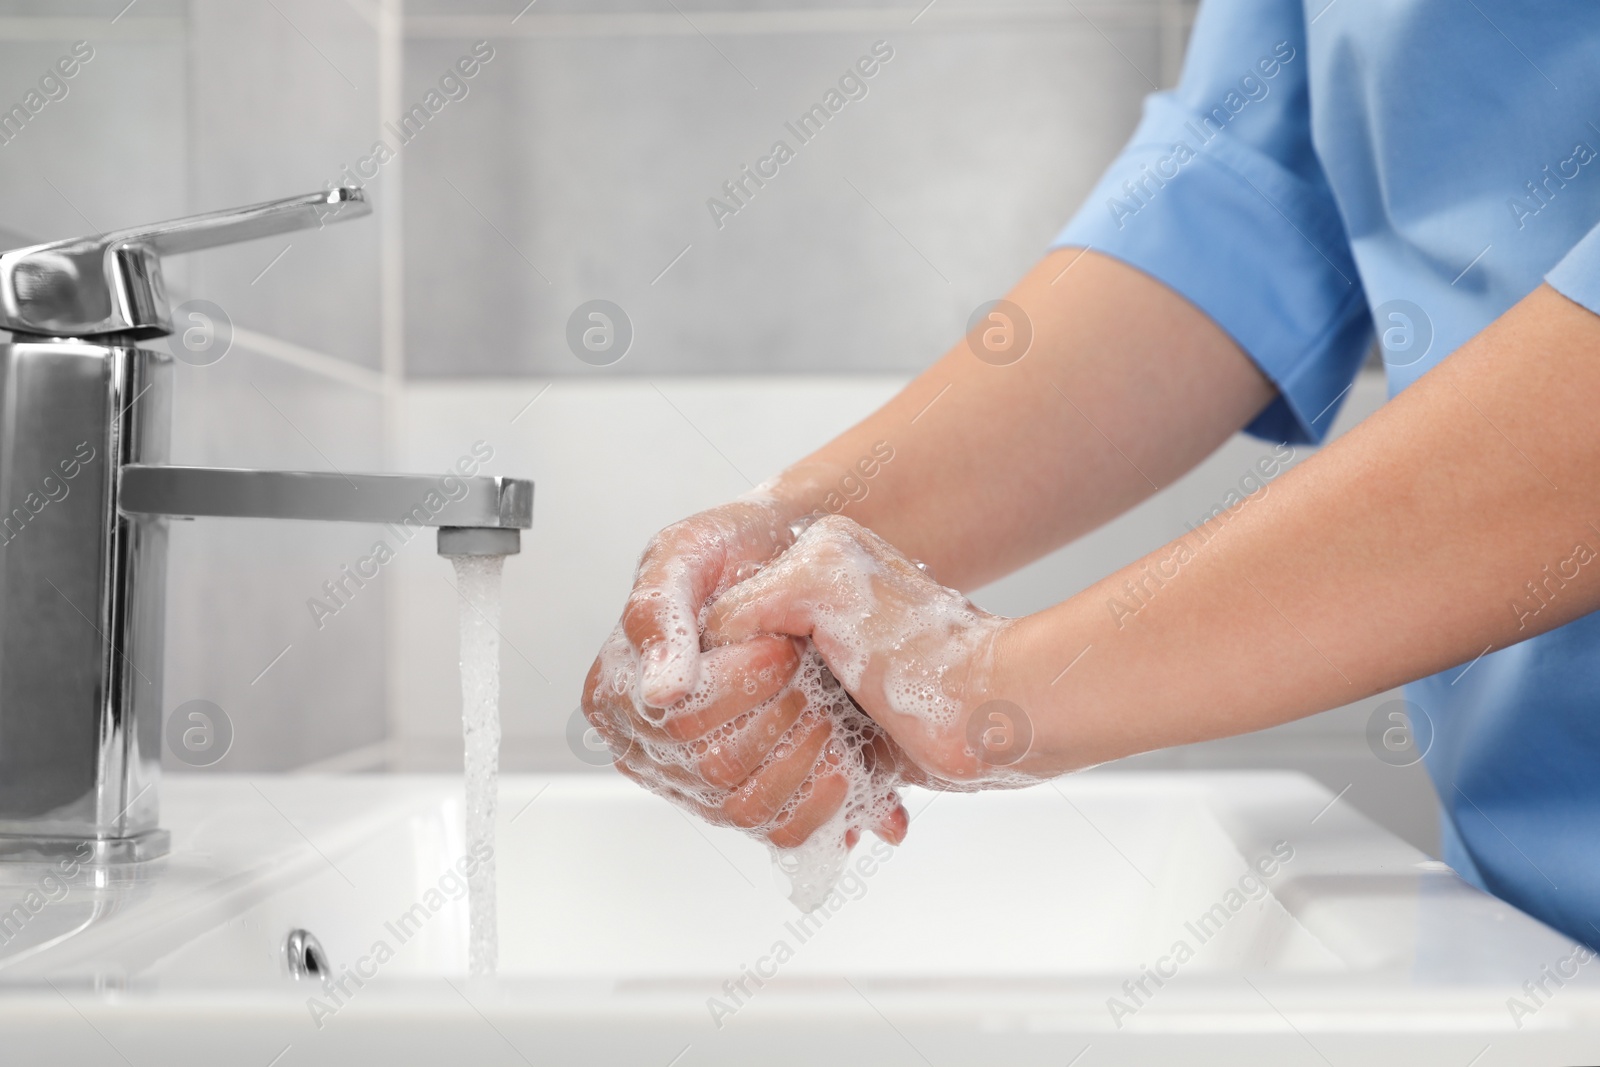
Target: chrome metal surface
(111, 283)
(85, 496)
(82, 590)
(478, 541)
(305, 956)
(401, 499)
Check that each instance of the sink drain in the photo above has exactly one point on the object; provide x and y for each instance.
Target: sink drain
(305, 956)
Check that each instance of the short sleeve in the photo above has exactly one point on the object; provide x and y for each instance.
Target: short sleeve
(1220, 196)
(1577, 276)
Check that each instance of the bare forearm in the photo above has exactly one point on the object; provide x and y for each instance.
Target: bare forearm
(1124, 388)
(1404, 548)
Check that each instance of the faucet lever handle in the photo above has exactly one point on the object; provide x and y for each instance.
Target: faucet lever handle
(214, 228)
(111, 283)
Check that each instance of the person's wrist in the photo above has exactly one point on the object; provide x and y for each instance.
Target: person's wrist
(1028, 660)
(794, 494)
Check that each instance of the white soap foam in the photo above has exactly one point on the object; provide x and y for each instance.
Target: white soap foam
(916, 652)
(814, 867)
(932, 636)
(879, 601)
(478, 582)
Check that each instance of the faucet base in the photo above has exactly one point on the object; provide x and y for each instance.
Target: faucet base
(94, 851)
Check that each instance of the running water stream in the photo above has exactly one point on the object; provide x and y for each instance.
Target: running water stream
(478, 582)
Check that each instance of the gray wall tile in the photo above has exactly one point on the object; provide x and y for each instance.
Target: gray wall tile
(284, 96)
(592, 157)
(112, 152)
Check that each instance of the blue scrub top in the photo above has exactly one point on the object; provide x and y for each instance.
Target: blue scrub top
(1420, 165)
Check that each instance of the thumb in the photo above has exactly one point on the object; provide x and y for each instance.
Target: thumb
(659, 621)
(782, 599)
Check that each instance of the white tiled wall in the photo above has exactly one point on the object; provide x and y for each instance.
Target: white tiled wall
(578, 165)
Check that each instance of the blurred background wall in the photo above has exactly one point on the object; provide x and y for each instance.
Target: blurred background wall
(578, 161)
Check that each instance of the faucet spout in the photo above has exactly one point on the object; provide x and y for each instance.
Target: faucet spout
(482, 503)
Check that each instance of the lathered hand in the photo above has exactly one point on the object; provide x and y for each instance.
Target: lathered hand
(918, 658)
(750, 734)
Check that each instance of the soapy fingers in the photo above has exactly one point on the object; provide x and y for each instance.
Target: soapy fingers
(732, 680)
(719, 732)
(786, 801)
(916, 657)
(753, 733)
(681, 569)
(759, 801)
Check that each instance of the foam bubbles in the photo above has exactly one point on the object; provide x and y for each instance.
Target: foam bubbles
(893, 635)
(814, 867)
(671, 768)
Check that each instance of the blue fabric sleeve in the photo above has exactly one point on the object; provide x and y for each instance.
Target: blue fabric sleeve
(1577, 276)
(1220, 196)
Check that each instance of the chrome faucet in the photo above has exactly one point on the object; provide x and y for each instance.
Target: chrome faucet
(85, 495)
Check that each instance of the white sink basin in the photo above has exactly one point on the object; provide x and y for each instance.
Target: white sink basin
(999, 933)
